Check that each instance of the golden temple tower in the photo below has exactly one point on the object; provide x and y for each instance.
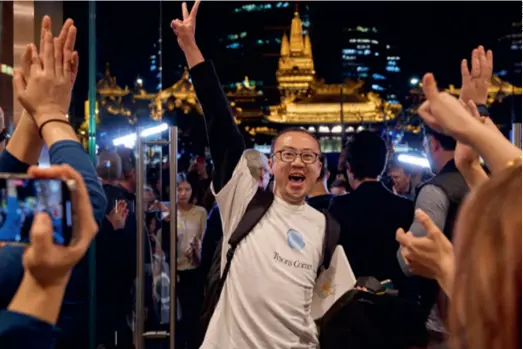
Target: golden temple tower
(295, 73)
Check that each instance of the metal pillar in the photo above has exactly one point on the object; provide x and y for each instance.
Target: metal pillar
(140, 242)
(92, 153)
(140, 238)
(515, 134)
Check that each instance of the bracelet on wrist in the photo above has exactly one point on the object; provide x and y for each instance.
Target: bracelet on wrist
(43, 124)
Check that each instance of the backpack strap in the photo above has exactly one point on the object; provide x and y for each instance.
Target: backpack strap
(258, 206)
(331, 238)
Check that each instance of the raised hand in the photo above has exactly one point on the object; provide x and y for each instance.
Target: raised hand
(475, 83)
(443, 112)
(50, 264)
(118, 215)
(185, 30)
(46, 91)
(431, 256)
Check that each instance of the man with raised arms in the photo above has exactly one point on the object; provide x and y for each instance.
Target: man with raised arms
(266, 300)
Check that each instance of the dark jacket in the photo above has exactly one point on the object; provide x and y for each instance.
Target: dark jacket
(452, 183)
(321, 202)
(369, 218)
(225, 140)
(211, 239)
(20, 331)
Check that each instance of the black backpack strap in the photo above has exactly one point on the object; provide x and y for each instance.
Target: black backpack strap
(258, 206)
(331, 238)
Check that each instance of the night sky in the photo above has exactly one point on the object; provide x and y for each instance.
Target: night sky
(431, 36)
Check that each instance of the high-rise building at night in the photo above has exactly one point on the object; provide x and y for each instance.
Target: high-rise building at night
(250, 49)
(508, 55)
(364, 56)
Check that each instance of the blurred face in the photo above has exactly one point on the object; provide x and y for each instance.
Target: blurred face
(149, 198)
(338, 191)
(184, 192)
(430, 151)
(400, 179)
(295, 166)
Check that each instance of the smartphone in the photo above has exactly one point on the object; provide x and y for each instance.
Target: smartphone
(22, 197)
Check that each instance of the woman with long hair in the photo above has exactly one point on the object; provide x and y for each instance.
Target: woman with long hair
(192, 220)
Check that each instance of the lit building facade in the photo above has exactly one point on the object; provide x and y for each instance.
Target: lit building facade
(250, 49)
(508, 55)
(365, 57)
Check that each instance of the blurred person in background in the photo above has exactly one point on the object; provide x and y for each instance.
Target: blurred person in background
(338, 187)
(370, 215)
(192, 220)
(200, 181)
(401, 176)
(319, 197)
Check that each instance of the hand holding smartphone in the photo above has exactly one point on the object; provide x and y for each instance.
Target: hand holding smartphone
(22, 197)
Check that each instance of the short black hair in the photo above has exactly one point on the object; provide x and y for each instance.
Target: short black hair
(447, 142)
(366, 154)
(293, 129)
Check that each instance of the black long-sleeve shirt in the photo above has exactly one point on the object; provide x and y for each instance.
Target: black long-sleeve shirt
(225, 140)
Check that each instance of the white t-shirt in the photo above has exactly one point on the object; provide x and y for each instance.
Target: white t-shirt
(266, 300)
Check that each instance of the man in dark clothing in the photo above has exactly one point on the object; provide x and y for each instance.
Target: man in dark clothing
(370, 215)
(320, 198)
(115, 255)
(440, 198)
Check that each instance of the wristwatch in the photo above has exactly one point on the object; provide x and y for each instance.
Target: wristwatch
(4, 135)
(482, 109)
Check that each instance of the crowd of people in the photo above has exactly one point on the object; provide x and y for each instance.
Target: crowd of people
(253, 237)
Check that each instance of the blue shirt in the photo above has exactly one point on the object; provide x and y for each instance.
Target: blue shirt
(74, 315)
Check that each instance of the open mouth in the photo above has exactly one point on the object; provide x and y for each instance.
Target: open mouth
(296, 178)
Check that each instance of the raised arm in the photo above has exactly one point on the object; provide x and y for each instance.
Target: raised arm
(444, 113)
(46, 95)
(26, 145)
(225, 140)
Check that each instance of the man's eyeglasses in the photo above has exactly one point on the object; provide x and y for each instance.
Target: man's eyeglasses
(307, 157)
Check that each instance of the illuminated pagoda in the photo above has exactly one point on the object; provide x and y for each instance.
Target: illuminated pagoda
(309, 102)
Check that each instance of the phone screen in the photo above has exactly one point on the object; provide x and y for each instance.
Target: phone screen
(22, 198)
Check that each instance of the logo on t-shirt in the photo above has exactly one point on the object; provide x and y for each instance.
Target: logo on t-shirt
(295, 240)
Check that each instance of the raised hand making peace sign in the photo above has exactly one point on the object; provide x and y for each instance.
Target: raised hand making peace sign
(186, 29)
